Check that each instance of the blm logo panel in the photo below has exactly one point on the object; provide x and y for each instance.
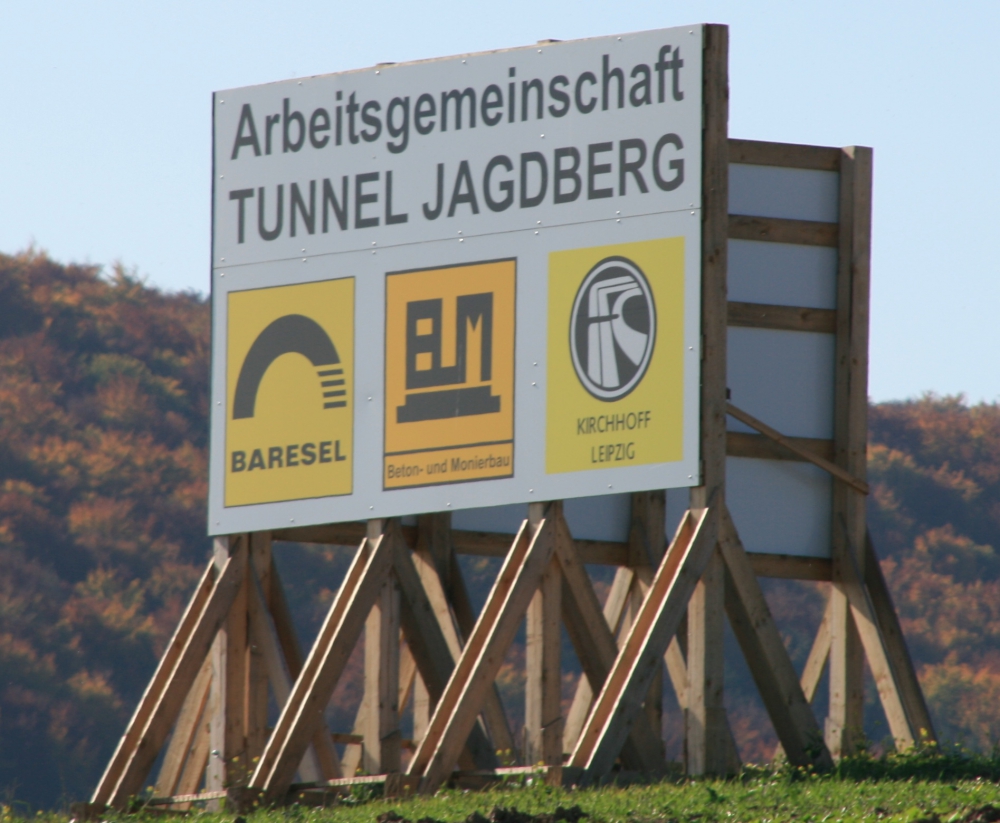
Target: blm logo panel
(449, 374)
(289, 396)
(615, 356)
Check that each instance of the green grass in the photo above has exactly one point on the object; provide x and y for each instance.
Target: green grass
(902, 788)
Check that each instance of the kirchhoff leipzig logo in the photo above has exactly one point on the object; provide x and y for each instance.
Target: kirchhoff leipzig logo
(612, 328)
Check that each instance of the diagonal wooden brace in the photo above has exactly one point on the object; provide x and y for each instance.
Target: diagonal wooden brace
(162, 702)
(905, 729)
(767, 657)
(595, 646)
(463, 697)
(430, 648)
(303, 713)
(626, 685)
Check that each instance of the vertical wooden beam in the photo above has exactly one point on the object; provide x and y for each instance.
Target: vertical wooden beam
(706, 713)
(542, 709)
(256, 668)
(647, 542)
(706, 728)
(228, 764)
(381, 727)
(844, 727)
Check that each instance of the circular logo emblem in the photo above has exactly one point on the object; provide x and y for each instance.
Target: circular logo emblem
(612, 328)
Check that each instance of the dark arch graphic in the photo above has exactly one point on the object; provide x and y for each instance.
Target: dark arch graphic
(291, 333)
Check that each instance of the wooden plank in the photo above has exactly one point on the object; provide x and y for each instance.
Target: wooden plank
(812, 672)
(819, 653)
(264, 637)
(480, 544)
(229, 674)
(494, 715)
(381, 730)
(782, 230)
(744, 444)
(303, 713)
(583, 697)
(332, 534)
(790, 567)
(185, 731)
(407, 675)
(647, 542)
(838, 472)
(676, 664)
(714, 312)
(846, 712)
(787, 155)
(431, 636)
(904, 674)
(706, 712)
(161, 677)
(491, 544)
(595, 646)
(902, 727)
(197, 759)
(543, 676)
(767, 658)
(329, 764)
(179, 680)
(482, 656)
(782, 318)
(626, 685)
(256, 669)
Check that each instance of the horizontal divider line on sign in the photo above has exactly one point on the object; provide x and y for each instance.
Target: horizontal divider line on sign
(787, 155)
(744, 444)
(782, 230)
(783, 318)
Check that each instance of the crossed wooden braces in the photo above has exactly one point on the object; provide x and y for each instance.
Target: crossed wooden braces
(415, 593)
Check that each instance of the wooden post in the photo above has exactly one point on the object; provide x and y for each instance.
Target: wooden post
(228, 764)
(256, 668)
(542, 699)
(706, 730)
(844, 725)
(647, 542)
(381, 723)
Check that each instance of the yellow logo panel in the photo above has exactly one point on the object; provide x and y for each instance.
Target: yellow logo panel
(615, 356)
(290, 392)
(449, 374)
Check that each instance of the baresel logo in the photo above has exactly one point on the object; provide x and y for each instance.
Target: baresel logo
(290, 392)
(615, 356)
(449, 374)
(612, 328)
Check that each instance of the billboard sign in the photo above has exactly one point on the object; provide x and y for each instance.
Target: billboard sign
(457, 282)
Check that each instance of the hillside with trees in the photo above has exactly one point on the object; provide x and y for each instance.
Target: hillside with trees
(103, 459)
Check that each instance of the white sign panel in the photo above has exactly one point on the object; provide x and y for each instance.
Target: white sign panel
(462, 282)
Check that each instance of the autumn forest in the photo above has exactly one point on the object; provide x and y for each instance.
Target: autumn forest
(103, 461)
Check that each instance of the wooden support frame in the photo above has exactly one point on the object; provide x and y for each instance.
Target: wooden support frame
(626, 685)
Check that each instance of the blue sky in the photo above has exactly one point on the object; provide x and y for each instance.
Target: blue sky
(106, 128)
